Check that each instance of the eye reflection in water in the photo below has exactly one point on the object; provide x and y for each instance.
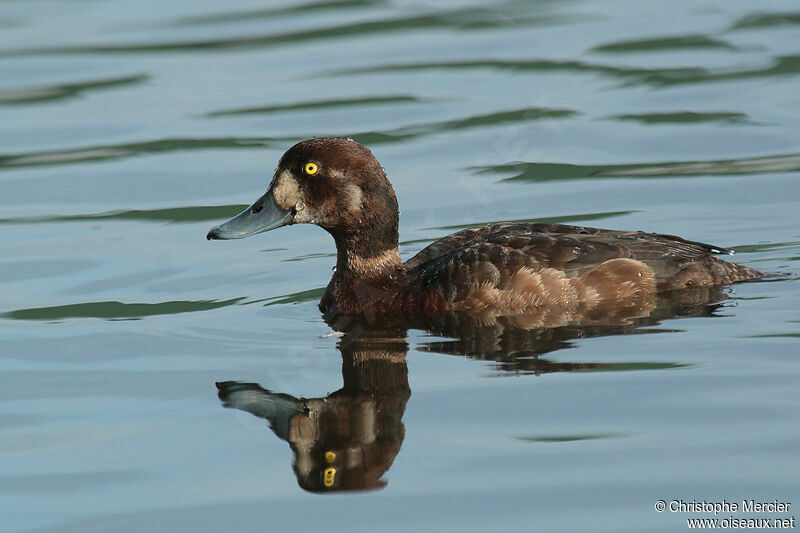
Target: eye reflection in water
(348, 440)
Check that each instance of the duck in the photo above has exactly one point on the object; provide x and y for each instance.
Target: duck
(499, 269)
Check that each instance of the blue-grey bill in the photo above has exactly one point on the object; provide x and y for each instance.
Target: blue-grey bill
(262, 216)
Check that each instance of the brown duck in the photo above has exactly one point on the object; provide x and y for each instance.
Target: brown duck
(505, 269)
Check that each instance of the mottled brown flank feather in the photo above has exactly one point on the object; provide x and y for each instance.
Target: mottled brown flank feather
(516, 268)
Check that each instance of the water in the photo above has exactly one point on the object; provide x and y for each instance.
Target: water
(128, 131)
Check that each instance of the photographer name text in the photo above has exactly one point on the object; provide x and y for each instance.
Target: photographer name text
(702, 506)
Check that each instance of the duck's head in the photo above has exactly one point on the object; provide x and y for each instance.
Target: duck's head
(334, 183)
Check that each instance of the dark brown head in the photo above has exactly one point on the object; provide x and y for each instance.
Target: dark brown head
(336, 184)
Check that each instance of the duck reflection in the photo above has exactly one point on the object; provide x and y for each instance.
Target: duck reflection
(518, 349)
(349, 439)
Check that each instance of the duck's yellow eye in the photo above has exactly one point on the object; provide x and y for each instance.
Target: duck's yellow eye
(311, 168)
(329, 477)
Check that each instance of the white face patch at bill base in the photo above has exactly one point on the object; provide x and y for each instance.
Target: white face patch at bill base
(286, 190)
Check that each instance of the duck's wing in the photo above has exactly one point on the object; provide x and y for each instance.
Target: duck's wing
(449, 244)
(466, 256)
(552, 244)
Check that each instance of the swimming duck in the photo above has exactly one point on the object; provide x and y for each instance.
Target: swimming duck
(504, 269)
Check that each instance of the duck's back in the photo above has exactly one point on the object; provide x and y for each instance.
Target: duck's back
(517, 265)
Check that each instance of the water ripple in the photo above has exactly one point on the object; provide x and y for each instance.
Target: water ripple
(654, 76)
(310, 295)
(116, 310)
(767, 247)
(662, 44)
(513, 116)
(537, 172)
(581, 437)
(687, 117)
(271, 12)
(469, 18)
(118, 151)
(767, 20)
(171, 215)
(657, 77)
(319, 104)
(63, 91)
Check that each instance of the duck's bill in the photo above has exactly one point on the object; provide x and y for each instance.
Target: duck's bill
(262, 216)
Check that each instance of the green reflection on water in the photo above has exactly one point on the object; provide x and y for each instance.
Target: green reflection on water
(117, 310)
(272, 12)
(468, 18)
(536, 172)
(686, 117)
(766, 247)
(570, 438)
(319, 104)
(119, 151)
(767, 20)
(775, 336)
(172, 215)
(660, 44)
(311, 295)
(657, 77)
(514, 116)
(63, 91)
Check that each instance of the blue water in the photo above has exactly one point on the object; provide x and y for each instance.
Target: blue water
(129, 129)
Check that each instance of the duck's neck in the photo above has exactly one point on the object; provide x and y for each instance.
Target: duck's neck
(365, 254)
(369, 273)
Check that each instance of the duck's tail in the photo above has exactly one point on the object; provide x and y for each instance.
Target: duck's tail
(708, 272)
(734, 272)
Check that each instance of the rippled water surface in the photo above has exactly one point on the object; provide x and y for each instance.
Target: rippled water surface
(130, 128)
